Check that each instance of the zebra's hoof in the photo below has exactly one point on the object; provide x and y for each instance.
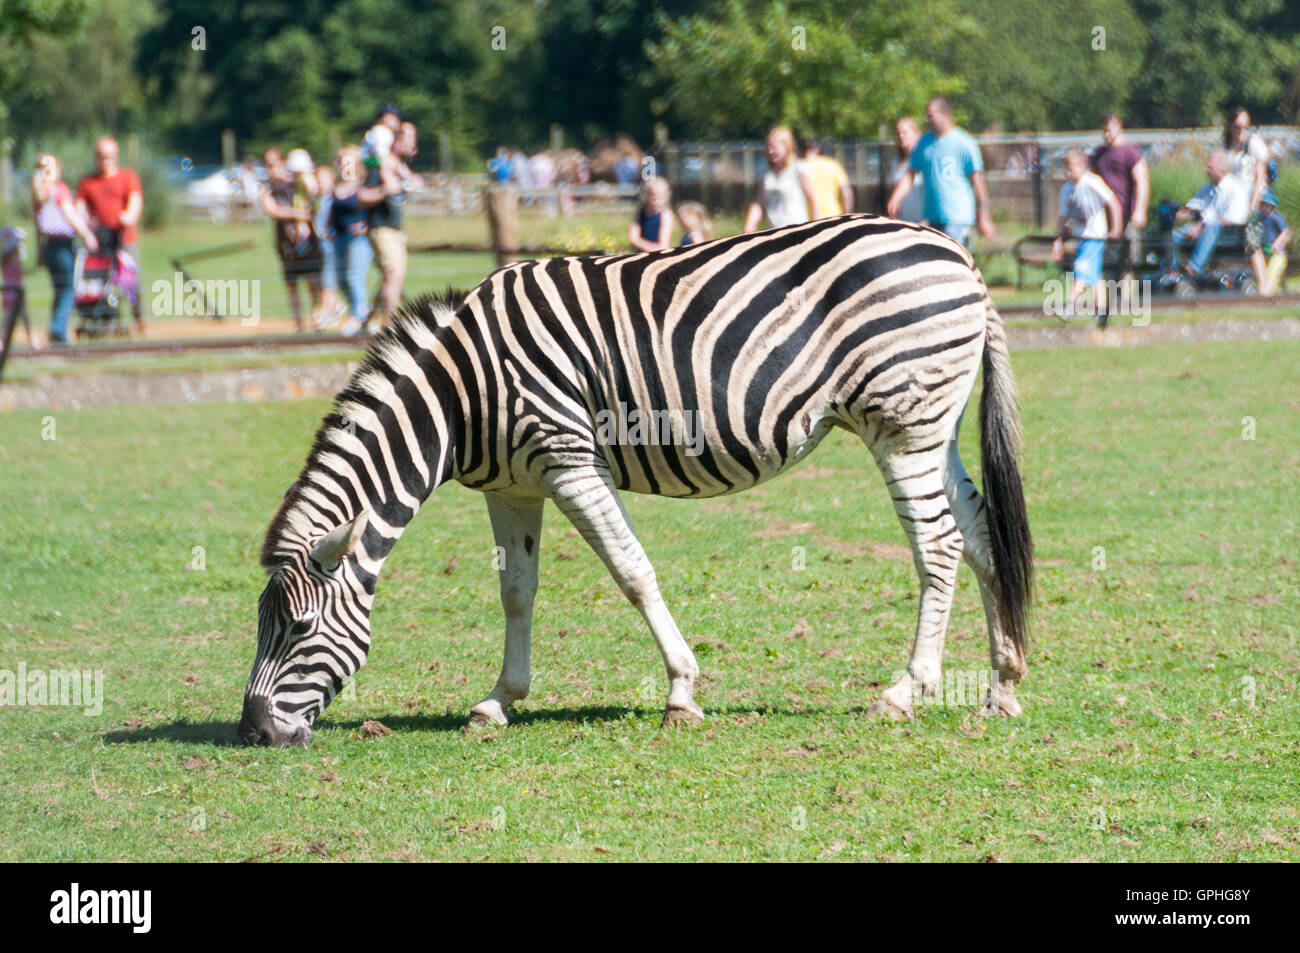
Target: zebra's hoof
(479, 721)
(887, 708)
(1003, 704)
(676, 716)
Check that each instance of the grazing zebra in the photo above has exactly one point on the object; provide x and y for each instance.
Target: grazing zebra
(741, 353)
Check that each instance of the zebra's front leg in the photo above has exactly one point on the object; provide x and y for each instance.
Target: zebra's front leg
(922, 507)
(588, 498)
(517, 528)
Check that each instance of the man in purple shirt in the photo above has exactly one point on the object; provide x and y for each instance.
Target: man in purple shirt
(1122, 168)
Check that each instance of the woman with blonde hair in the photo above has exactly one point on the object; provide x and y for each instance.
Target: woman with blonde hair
(652, 226)
(695, 219)
(785, 194)
(58, 223)
(352, 251)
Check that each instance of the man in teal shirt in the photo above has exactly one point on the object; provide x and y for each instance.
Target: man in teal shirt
(956, 195)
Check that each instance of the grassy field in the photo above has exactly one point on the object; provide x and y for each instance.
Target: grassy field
(1161, 715)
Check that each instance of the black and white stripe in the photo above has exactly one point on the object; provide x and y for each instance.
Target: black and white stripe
(765, 342)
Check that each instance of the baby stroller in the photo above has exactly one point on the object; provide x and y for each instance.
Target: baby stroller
(99, 287)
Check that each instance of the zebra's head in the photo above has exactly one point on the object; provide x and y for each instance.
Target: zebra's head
(313, 632)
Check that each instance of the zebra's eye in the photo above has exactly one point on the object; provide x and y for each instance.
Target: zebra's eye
(300, 627)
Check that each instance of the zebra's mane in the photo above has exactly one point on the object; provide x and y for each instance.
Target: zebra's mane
(409, 328)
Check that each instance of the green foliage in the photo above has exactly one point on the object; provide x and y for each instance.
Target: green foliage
(1175, 182)
(311, 72)
(840, 70)
(1030, 65)
(23, 24)
(1206, 56)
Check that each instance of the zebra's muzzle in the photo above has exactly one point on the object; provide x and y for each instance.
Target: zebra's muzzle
(257, 727)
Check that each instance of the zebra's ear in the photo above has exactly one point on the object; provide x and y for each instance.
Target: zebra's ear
(339, 543)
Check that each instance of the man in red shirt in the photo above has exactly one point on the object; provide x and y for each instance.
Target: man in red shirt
(114, 199)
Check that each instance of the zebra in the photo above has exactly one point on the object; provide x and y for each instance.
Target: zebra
(767, 341)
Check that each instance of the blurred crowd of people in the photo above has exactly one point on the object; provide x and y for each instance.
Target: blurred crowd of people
(331, 221)
(104, 214)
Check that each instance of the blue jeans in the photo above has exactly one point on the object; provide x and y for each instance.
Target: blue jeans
(959, 233)
(61, 261)
(352, 256)
(1205, 245)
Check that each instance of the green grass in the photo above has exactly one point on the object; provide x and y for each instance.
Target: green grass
(1139, 739)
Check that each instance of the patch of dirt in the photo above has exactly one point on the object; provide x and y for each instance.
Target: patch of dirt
(782, 528)
(374, 729)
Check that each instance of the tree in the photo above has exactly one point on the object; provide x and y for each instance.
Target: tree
(1205, 56)
(24, 23)
(1032, 65)
(839, 69)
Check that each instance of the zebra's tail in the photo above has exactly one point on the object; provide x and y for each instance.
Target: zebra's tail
(1013, 548)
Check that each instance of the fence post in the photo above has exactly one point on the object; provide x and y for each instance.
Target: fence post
(673, 165)
(444, 151)
(229, 148)
(1038, 185)
(706, 173)
(502, 203)
(882, 200)
(747, 159)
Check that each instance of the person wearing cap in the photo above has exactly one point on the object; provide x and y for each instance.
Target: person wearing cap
(288, 200)
(1267, 234)
(378, 141)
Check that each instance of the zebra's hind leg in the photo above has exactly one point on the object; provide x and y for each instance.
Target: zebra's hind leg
(517, 528)
(972, 519)
(588, 498)
(915, 482)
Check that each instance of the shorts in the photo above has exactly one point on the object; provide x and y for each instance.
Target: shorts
(390, 248)
(302, 259)
(1087, 261)
(1275, 268)
(1254, 232)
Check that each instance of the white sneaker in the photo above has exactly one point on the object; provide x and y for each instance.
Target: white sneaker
(331, 320)
(352, 327)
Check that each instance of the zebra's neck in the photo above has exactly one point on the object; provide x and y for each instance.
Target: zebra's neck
(385, 447)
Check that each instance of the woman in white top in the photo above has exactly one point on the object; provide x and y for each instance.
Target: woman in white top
(58, 223)
(1247, 155)
(785, 195)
